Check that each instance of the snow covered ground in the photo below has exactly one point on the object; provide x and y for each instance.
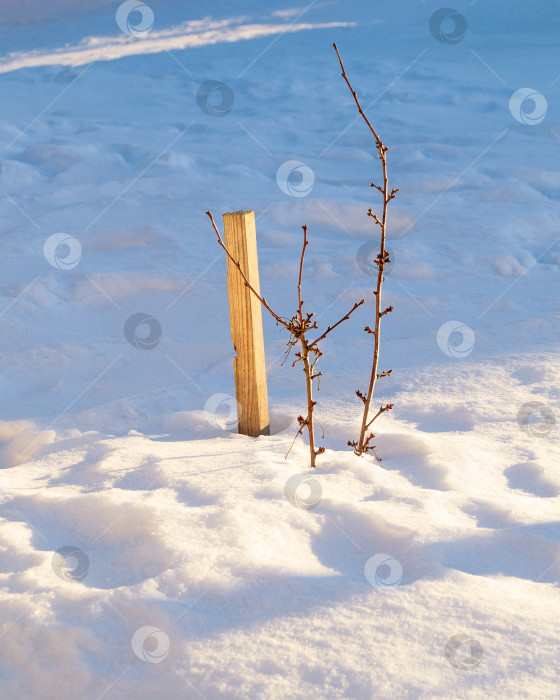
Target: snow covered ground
(146, 548)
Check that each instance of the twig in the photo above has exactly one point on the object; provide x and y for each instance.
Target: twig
(363, 444)
(344, 318)
(247, 283)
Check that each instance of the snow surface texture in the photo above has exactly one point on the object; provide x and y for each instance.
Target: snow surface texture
(147, 550)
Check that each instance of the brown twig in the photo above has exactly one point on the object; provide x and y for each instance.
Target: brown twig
(344, 318)
(247, 283)
(300, 302)
(363, 445)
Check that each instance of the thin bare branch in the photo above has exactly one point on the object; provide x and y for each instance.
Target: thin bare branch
(382, 409)
(373, 131)
(300, 302)
(331, 328)
(247, 283)
(363, 444)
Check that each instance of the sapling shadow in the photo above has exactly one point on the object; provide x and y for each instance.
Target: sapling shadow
(298, 326)
(364, 442)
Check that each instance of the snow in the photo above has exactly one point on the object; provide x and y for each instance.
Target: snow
(146, 547)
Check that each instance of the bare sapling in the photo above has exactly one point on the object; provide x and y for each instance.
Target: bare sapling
(298, 327)
(364, 443)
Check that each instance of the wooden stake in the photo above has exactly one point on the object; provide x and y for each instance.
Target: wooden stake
(246, 325)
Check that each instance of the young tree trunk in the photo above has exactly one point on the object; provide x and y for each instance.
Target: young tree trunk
(364, 445)
(377, 332)
(307, 368)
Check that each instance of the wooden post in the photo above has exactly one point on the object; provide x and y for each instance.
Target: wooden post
(246, 325)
